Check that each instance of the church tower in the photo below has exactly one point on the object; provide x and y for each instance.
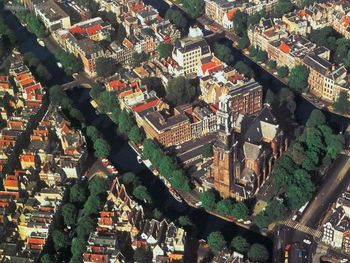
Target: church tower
(223, 151)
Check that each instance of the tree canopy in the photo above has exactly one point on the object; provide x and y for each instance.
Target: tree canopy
(283, 7)
(180, 91)
(102, 148)
(141, 193)
(298, 78)
(283, 71)
(216, 241)
(177, 18)
(69, 62)
(165, 49)
(69, 213)
(342, 104)
(240, 244)
(258, 252)
(193, 8)
(223, 52)
(208, 200)
(105, 67)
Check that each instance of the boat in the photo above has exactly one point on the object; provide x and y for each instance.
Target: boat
(139, 159)
(41, 42)
(23, 24)
(59, 65)
(175, 195)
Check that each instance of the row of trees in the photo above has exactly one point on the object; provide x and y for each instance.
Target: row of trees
(177, 18)
(82, 195)
(255, 252)
(138, 190)
(70, 63)
(225, 207)
(34, 25)
(315, 148)
(34, 64)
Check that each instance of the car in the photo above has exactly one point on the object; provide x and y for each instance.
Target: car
(307, 241)
(294, 217)
(198, 204)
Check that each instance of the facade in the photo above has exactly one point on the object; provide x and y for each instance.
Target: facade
(221, 11)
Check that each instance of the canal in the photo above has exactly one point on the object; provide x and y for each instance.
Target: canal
(122, 156)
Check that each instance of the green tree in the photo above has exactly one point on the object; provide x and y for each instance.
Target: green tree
(142, 255)
(283, 7)
(193, 8)
(78, 246)
(240, 23)
(271, 64)
(102, 148)
(70, 63)
(207, 150)
(224, 207)
(316, 118)
(141, 193)
(216, 241)
(107, 101)
(262, 220)
(105, 67)
(157, 214)
(165, 50)
(85, 226)
(240, 244)
(60, 240)
(342, 48)
(149, 146)
(92, 205)
(115, 114)
(138, 58)
(255, 18)
(223, 52)
(92, 133)
(243, 42)
(180, 91)
(208, 200)
(240, 211)
(177, 18)
(298, 153)
(243, 68)
(95, 91)
(129, 178)
(136, 135)
(342, 104)
(31, 59)
(179, 180)
(167, 165)
(69, 213)
(77, 194)
(258, 252)
(283, 71)
(46, 258)
(261, 56)
(34, 25)
(98, 185)
(185, 221)
(126, 122)
(298, 78)
(43, 73)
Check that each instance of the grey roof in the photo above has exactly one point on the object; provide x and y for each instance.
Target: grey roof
(163, 123)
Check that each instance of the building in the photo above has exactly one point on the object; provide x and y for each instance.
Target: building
(52, 15)
(218, 10)
(189, 52)
(245, 152)
(326, 80)
(168, 129)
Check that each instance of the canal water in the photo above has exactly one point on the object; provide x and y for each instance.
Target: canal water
(122, 156)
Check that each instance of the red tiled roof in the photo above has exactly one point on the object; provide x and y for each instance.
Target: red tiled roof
(145, 106)
(284, 47)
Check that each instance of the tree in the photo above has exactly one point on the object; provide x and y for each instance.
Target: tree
(180, 91)
(92, 133)
(243, 68)
(261, 56)
(136, 135)
(258, 253)
(223, 52)
(34, 25)
(240, 23)
(69, 62)
(92, 205)
(298, 153)
(271, 64)
(179, 180)
(85, 226)
(177, 18)
(46, 258)
(60, 240)
(129, 178)
(216, 241)
(208, 200)
(240, 211)
(167, 165)
(240, 244)
(165, 50)
(142, 255)
(193, 8)
(141, 193)
(342, 104)
(224, 207)
(98, 185)
(157, 214)
(43, 73)
(31, 59)
(149, 146)
(102, 148)
(283, 7)
(256, 17)
(138, 58)
(298, 78)
(95, 91)
(243, 42)
(261, 220)
(78, 246)
(185, 221)
(69, 213)
(316, 118)
(77, 194)
(107, 101)
(126, 122)
(342, 48)
(270, 96)
(207, 150)
(283, 72)
(105, 67)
